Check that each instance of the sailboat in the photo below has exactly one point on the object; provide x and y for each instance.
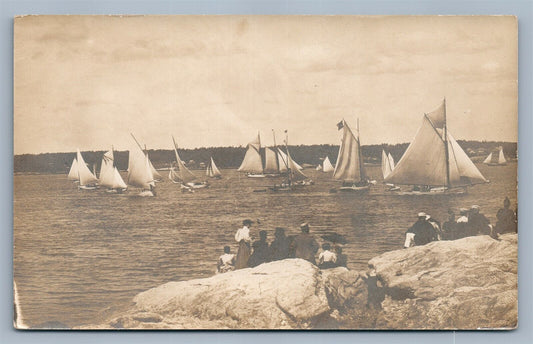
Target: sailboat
(212, 170)
(87, 180)
(295, 177)
(318, 167)
(350, 167)
(327, 166)
(387, 165)
(182, 175)
(109, 175)
(434, 162)
(252, 163)
(139, 171)
(496, 158)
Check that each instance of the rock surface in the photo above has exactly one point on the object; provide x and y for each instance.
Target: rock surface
(463, 284)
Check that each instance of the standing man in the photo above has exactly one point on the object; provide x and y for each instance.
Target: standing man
(243, 238)
(305, 245)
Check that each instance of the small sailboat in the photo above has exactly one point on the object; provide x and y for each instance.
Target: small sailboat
(212, 170)
(252, 163)
(327, 166)
(350, 168)
(434, 163)
(496, 158)
(139, 171)
(295, 177)
(182, 175)
(87, 180)
(319, 167)
(387, 165)
(109, 175)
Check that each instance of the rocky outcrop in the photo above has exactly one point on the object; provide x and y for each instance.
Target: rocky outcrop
(463, 284)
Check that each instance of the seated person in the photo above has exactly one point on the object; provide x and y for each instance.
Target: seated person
(226, 262)
(327, 259)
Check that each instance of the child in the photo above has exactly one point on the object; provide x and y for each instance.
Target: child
(226, 262)
(327, 259)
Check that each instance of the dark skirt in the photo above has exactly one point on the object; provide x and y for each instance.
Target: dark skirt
(243, 254)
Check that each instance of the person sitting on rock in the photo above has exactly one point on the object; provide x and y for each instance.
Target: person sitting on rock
(261, 251)
(479, 224)
(421, 231)
(506, 219)
(342, 259)
(226, 262)
(326, 258)
(305, 245)
(463, 227)
(279, 248)
(435, 233)
(449, 228)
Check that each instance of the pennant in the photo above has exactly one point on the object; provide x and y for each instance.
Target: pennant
(340, 125)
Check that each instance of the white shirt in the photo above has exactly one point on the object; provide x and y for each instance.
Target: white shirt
(462, 219)
(227, 258)
(327, 256)
(243, 234)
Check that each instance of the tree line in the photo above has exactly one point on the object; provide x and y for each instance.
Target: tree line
(231, 157)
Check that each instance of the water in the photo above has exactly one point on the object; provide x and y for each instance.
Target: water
(82, 255)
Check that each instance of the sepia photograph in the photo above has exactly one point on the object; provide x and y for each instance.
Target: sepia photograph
(265, 172)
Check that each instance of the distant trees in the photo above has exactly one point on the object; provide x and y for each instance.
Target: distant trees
(231, 157)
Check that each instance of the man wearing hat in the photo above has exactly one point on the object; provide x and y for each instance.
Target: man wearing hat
(479, 224)
(305, 245)
(243, 238)
(463, 227)
(421, 232)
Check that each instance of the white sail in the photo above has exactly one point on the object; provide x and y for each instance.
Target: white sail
(73, 172)
(106, 170)
(271, 161)
(391, 161)
(295, 174)
(139, 172)
(385, 164)
(319, 167)
(349, 165)
(501, 157)
(156, 174)
(488, 159)
(212, 170)
(283, 162)
(425, 161)
(252, 162)
(86, 177)
(183, 173)
(468, 173)
(327, 166)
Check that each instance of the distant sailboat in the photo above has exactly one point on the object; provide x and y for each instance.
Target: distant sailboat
(73, 172)
(139, 171)
(87, 180)
(319, 167)
(327, 166)
(109, 175)
(387, 165)
(295, 177)
(252, 163)
(350, 168)
(182, 175)
(496, 158)
(434, 162)
(212, 170)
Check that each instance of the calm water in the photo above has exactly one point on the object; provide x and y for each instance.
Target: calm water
(82, 255)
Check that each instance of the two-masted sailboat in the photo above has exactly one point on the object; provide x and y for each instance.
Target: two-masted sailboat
(496, 158)
(139, 171)
(434, 162)
(109, 175)
(350, 168)
(182, 175)
(212, 170)
(80, 173)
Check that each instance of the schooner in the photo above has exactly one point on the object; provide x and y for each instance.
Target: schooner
(350, 168)
(434, 162)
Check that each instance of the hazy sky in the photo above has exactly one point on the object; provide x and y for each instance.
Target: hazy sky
(88, 81)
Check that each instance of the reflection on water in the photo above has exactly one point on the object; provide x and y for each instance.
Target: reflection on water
(80, 255)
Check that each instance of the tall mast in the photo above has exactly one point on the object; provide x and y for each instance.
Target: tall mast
(446, 147)
(275, 150)
(288, 157)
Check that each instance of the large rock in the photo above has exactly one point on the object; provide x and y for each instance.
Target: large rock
(463, 284)
(282, 294)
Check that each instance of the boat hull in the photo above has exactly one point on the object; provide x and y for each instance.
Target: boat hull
(496, 164)
(88, 187)
(434, 192)
(255, 175)
(353, 188)
(146, 193)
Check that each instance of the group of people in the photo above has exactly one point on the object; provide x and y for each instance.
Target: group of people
(302, 246)
(470, 222)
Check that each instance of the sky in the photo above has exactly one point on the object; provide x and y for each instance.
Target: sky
(89, 81)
